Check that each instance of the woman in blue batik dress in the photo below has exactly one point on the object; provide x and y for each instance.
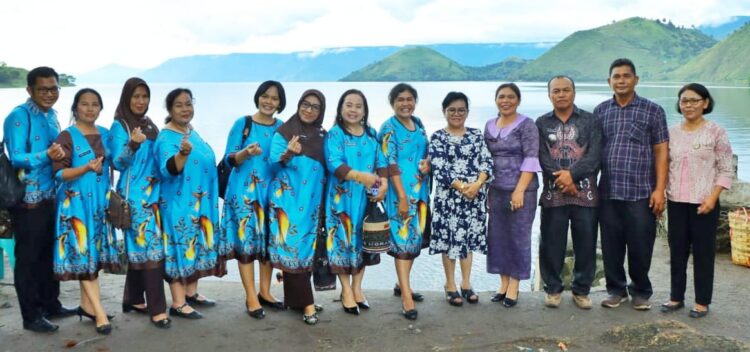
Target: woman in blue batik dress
(353, 157)
(246, 200)
(189, 206)
(131, 140)
(85, 242)
(404, 142)
(296, 200)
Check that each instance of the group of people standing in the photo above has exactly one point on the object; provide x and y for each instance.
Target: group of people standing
(292, 182)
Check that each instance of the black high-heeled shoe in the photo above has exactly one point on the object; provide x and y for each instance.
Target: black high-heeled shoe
(409, 314)
(127, 308)
(416, 296)
(363, 305)
(82, 313)
(162, 324)
(351, 310)
(104, 329)
(275, 305)
(498, 297)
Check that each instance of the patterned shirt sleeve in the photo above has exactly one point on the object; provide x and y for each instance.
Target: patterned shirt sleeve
(530, 145)
(389, 146)
(16, 132)
(724, 164)
(660, 130)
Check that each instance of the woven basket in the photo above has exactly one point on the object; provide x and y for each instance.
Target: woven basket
(739, 235)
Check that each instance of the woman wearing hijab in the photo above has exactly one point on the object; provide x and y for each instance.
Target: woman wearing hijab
(246, 199)
(190, 207)
(131, 140)
(296, 200)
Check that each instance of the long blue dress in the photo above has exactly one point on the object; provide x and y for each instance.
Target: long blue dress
(246, 200)
(143, 240)
(84, 241)
(190, 210)
(403, 150)
(346, 200)
(294, 209)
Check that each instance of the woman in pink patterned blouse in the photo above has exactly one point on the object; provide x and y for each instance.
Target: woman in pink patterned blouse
(700, 167)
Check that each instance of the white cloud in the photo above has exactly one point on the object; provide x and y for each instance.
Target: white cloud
(80, 35)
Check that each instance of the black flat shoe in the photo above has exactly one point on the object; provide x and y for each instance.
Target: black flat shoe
(40, 325)
(104, 329)
(668, 307)
(498, 297)
(162, 324)
(257, 314)
(509, 303)
(470, 296)
(310, 319)
(179, 313)
(351, 310)
(194, 301)
(275, 305)
(410, 314)
(127, 308)
(697, 313)
(363, 305)
(82, 313)
(416, 296)
(61, 312)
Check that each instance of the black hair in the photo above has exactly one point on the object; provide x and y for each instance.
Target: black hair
(512, 87)
(169, 100)
(453, 96)
(264, 87)
(561, 77)
(400, 88)
(42, 71)
(77, 99)
(340, 118)
(700, 90)
(622, 62)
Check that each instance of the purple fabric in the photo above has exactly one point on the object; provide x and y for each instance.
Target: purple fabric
(509, 235)
(530, 165)
(503, 132)
(510, 152)
(629, 134)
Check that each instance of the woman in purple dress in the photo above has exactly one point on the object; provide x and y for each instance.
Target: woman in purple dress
(513, 141)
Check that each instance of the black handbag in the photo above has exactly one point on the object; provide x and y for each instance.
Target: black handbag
(118, 210)
(323, 278)
(12, 189)
(224, 169)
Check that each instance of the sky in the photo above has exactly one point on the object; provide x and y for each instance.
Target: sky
(77, 36)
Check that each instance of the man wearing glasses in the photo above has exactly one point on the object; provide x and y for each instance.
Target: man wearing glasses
(634, 177)
(570, 153)
(29, 131)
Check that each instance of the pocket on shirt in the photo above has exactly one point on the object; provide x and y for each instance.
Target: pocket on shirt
(639, 132)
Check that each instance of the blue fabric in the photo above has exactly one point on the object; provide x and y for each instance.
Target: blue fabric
(35, 167)
(246, 201)
(403, 150)
(346, 200)
(143, 240)
(85, 242)
(294, 208)
(190, 209)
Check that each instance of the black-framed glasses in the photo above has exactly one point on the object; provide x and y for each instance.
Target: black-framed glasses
(690, 101)
(48, 90)
(457, 111)
(307, 106)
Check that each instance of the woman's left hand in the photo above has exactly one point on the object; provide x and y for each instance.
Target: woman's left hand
(516, 200)
(472, 190)
(424, 166)
(707, 205)
(382, 190)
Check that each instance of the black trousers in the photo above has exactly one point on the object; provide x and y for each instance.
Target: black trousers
(298, 292)
(149, 282)
(690, 231)
(628, 228)
(554, 242)
(36, 287)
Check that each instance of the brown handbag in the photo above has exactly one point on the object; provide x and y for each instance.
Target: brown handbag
(118, 212)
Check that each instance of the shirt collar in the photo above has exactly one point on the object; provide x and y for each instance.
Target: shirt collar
(636, 100)
(35, 109)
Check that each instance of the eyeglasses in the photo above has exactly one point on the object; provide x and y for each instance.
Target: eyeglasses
(459, 111)
(688, 101)
(48, 90)
(305, 106)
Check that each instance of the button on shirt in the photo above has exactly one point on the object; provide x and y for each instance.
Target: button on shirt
(629, 134)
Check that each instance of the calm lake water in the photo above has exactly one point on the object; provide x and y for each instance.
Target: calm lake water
(219, 104)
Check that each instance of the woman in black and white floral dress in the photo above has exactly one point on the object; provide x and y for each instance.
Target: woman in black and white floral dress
(461, 164)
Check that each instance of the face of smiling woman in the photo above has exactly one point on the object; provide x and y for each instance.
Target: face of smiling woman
(309, 109)
(182, 109)
(88, 108)
(404, 105)
(507, 101)
(353, 110)
(456, 114)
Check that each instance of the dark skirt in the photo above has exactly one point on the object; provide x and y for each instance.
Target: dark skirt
(298, 292)
(509, 235)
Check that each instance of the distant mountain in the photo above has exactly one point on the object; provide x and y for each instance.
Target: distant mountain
(726, 62)
(724, 30)
(499, 71)
(655, 47)
(412, 64)
(326, 65)
(108, 74)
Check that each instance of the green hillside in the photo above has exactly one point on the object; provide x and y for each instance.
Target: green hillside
(412, 64)
(14, 77)
(498, 71)
(725, 62)
(655, 47)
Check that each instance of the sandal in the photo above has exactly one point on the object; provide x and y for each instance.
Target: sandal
(470, 296)
(178, 312)
(454, 298)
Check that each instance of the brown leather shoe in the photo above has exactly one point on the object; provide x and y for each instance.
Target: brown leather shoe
(552, 300)
(640, 303)
(614, 301)
(582, 301)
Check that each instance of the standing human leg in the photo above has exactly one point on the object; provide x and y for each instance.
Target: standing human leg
(583, 233)
(613, 247)
(703, 233)
(247, 275)
(403, 269)
(552, 245)
(640, 237)
(467, 290)
(153, 282)
(133, 294)
(92, 291)
(679, 249)
(266, 270)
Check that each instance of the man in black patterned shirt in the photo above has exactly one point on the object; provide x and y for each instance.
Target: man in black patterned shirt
(569, 153)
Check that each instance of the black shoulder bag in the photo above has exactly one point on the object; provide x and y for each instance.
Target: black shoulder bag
(224, 169)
